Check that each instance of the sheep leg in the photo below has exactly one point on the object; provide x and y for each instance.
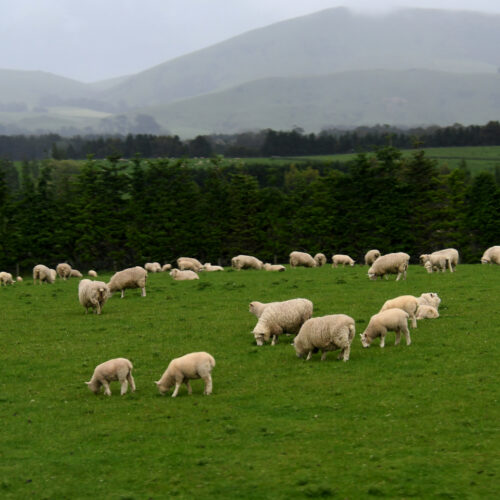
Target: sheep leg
(98, 308)
(124, 387)
(274, 342)
(344, 354)
(407, 336)
(323, 355)
(143, 291)
(188, 385)
(123, 294)
(208, 385)
(413, 321)
(131, 382)
(382, 340)
(107, 390)
(176, 390)
(398, 337)
(309, 356)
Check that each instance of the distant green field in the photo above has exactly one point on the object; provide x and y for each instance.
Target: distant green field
(399, 422)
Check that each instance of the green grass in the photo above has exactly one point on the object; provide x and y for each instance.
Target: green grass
(400, 422)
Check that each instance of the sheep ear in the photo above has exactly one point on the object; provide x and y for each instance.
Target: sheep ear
(87, 383)
(157, 382)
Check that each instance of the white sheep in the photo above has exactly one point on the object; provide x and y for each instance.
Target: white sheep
(182, 370)
(301, 259)
(371, 256)
(429, 299)
(344, 260)
(114, 369)
(246, 262)
(427, 312)
(257, 308)
(43, 274)
(491, 255)
(280, 317)
(152, 267)
(391, 263)
(408, 303)
(183, 275)
(320, 259)
(274, 267)
(63, 270)
(326, 333)
(450, 254)
(6, 278)
(436, 263)
(92, 273)
(394, 320)
(189, 264)
(132, 277)
(166, 267)
(208, 267)
(75, 273)
(93, 294)
(19, 279)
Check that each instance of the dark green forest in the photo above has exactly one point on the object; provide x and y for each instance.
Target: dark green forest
(111, 213)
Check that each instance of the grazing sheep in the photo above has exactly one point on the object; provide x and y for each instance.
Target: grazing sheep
(408, 303)
(152, 267)
(132, 277)
(208, 267)
(189, 264)
(19, 279)
(320, 259)
(436, 263)
(371, 256)
(114, 369)
(63, 270)
(429, 299)
(183, 275)
(279, 317)
(93, 294)
(182, 370)
(326, 333)
(6, 278)
(342, 259)
(449, 254)
(75, 273)
(166, 267)
(394, 320)
(491, 256)
(391, 263)
(274, 267)
(257, 308)
(427, 312)
(301, 259)
(43, 274)
(246, 262)
(92, 273)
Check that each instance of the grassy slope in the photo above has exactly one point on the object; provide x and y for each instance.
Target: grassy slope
(418, 421)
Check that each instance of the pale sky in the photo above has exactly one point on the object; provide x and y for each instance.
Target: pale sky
(91, 40)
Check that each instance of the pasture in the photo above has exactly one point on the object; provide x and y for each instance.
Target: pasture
(399, 422)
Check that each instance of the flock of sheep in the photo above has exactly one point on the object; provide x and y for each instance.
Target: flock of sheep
(326, 333)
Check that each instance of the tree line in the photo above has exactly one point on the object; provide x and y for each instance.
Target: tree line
(112, 214)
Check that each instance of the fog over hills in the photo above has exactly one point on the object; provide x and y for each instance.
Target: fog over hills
(331, 68)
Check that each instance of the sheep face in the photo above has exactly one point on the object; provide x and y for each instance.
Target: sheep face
(365, 340)
(162, 388)
(372, 276)
(94, 386)
(259, 339)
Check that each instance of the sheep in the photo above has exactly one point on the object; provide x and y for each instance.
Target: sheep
(208, 267)
(19, 279)
(246, 262)
(491, 256)
(274, 267)
(287, 316)
(93, 294)
(166, 267)
(183, 275)
(408, 303)
(429, 299)
(342, 259)
(92, 273)
(436, 263)
(190, 264)
(43, 274)
(320, 259)
(114, 369)
(391, 263)
(257, 308)
(6, 278)
(302, 259)
(427, 312)
(371, 256)
(182, 370)
(53, 275)
(394, 320)
(326, 333)
(63, 270)
(152, 267)
(132, 277)
(75, 273)
(451, 254)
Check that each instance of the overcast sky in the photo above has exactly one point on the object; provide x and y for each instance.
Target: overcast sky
(91, 40)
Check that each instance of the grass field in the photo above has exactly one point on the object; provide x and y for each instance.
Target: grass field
(399, 422)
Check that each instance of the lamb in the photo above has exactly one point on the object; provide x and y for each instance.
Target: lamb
(427, 312)
(391, 263)
(190, 264)
(43, 274)
(92, 273)
(491, 256)
(342, 259)
(166, 267)
(429, 299)
(208, 267)
(63, 270)
(93, 294)
(408, 303)
(302, 259)
(6, 278)
(279, 317)
(371, 256)
(75, 273)
(246, 262)
(320, 259)
(132, 277)
(114, 369)
(326, 333)
(182, 370)
(274, 267)
(152, 267)
(183, 275)
(394, 320)
(436, 263)
(451, 254)
(19, 279)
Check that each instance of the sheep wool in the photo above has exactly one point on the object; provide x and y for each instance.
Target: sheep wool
(6, 278)
(133, 277)
(75, 273)
(19, 279)
(246, 262)
(257, 308)
(93, 294)
(491, 255)
(189, 264)
(391, 263)
(301, 259)
(166, 267)
(92, 273)
(393, 320)
(43, 274)
(152, 267)
(320, 259)
(114, 369)
(326, 333)
(188, 367)
(208, 267)
(63, 270)
(183, 275)
(429, 299)
(274, 267)
(408, 303)
(343, 260)
(441, 259)
(427, 312)
(371, 256)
